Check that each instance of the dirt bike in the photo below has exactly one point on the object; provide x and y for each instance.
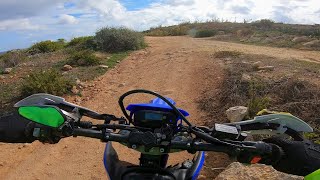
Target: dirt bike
(156, 129)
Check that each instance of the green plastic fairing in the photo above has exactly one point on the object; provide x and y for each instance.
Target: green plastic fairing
(45, 115)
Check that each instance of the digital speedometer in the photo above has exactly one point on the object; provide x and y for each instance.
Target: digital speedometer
(154, 116)
(153, 119)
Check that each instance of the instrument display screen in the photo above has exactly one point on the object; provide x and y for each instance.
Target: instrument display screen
(153, 116)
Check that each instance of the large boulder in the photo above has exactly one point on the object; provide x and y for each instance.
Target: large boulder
(238, 171)
(237, 113)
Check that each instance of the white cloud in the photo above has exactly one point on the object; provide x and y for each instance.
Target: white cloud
(169, 12)
(67, 19)
(55, 19)
(13, 9)
(18, 24)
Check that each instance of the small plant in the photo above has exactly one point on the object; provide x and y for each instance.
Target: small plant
(256, 100)
(256, 104)
(83, 58)
(50, 81)
(205, 33)
(118, 39)
(227, 54)
(116, 57)
(45, 47)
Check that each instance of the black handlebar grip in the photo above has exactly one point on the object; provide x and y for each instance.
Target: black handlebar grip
(276, 154)
(88, 133)
(263, 153)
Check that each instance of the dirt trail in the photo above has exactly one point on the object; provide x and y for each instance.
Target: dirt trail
(178, 67)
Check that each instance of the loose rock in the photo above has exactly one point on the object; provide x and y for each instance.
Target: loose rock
(67, 67)
(300, 39)
(78, 82)
(240, 171)
(256, 65)
(237, 113)
(202, 177)
(246, 77)
(104, 66)
(122, 84)
(7, 70)
(74, 90)
(266, 68)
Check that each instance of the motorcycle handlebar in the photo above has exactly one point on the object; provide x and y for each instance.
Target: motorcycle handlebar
(255, 148)
(88, 133)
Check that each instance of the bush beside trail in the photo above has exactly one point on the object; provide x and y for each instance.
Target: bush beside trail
(49, 81)
(84, 42)
(83, 58)
(118, 39)
(12, 58)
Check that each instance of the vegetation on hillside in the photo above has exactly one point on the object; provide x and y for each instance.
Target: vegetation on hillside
(168, 31)
(261, 32)
(46, 46)
(82, 58)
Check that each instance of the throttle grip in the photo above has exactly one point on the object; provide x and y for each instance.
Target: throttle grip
(264, 153)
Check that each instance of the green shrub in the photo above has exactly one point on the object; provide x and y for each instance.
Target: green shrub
(12, 58)
(118, 39)
(85, 42)
(205, 33)
(50, 81)
(83, 58)
(45, 47)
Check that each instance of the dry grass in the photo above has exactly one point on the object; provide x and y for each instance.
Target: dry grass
(291, 88)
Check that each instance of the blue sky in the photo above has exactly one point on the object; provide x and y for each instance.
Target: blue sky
(23, 23)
